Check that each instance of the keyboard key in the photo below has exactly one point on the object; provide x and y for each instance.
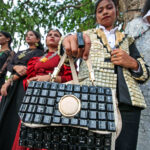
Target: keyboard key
(84, 114)
(102, 125)
(93, 106)
(38, 84)
(36, 92)
(38, 118)
(47, 119)
(102, 107)
(77, 88)
(74, 121)
(111, 126)
(101, 98)
(107, 142)
(23, 108)
(109, 99)
(69, 87)
(46, 85)
(110, 116)
(34, 100)
(28, 117)
(31, 84)
(65, 139)
(26, 99)
(110, 107)
(50, 101)
(83, 122)
(54, 86)
(92, 124)
(65, 121)
(31, 108)
(108, 91)
(90, 141)
(93, 89)
(49, 110)
(60, 94)
(52, 94)
(102, 115)
(84, 105)
(40, 109)
(92, 97)
(56, 119)
(93, 115)
(100, 90)
(61, 86)
(44, 93)
(29, 91)
(84, 97)
(42, 101)
(82, 140)
(85, 89)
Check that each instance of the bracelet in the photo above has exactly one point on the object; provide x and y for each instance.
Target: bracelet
(50, 77)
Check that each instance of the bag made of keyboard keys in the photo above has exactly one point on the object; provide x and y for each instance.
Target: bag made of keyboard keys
(60, 116)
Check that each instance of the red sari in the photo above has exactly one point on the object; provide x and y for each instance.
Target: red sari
(36, 67)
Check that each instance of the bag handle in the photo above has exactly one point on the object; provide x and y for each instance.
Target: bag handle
(73, 70)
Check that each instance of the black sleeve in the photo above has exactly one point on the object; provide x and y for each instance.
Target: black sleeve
(143, 74)
(3, 58)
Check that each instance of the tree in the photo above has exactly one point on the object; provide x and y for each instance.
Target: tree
(70, 15)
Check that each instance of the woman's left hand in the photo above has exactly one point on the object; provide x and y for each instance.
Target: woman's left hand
(121, 58)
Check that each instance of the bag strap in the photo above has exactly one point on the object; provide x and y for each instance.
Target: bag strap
(73, 70)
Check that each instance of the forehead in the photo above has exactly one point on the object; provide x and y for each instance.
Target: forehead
(54, 32)
(30, 32)
(2, 34)
(103, 3)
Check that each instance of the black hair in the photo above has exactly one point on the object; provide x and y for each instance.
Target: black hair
(146, 7)
(97, 3)
(7, 35)
(55, 30)
(38, 36)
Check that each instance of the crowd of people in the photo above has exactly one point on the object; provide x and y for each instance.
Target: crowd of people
(118, 50)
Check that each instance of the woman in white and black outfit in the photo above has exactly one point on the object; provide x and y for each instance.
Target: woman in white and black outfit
(13, 91)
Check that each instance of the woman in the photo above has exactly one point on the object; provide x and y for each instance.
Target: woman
(139, 28)
(40, 69)
(6, 54)
(11, 101)
(117, 64)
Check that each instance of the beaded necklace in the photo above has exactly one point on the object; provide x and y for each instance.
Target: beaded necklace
(44, 58)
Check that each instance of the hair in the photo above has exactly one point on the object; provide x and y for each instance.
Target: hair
(97, 3)
(38, 36)
(57, 30)
(7, 35)
(146, 7)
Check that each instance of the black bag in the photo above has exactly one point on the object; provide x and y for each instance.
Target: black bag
(68, 117)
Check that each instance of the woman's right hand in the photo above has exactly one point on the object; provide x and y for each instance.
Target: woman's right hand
(21, 70)
(5, 87)
(70, 43)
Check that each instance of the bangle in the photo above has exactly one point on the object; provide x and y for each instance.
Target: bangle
(50, 77)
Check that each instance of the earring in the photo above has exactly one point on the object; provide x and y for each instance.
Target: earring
(36, 44)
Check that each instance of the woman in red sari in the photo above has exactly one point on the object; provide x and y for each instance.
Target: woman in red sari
(40, 68)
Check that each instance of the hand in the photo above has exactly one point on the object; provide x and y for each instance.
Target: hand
(4, 88)
(121, 58)
(40, 78)
(70, 44)
(21, 70)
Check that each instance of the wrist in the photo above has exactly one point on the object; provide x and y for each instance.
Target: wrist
(135, 65)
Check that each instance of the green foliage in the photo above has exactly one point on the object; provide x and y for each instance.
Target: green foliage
(69, 15)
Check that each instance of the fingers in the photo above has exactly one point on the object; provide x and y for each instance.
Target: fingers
(33, 79)
(70, 44)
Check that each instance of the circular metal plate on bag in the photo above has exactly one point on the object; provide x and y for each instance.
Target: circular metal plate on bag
(69, 105)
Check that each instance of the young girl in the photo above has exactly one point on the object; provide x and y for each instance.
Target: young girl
(117, 64)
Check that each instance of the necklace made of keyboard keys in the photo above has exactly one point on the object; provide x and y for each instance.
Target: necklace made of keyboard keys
(44, 58)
